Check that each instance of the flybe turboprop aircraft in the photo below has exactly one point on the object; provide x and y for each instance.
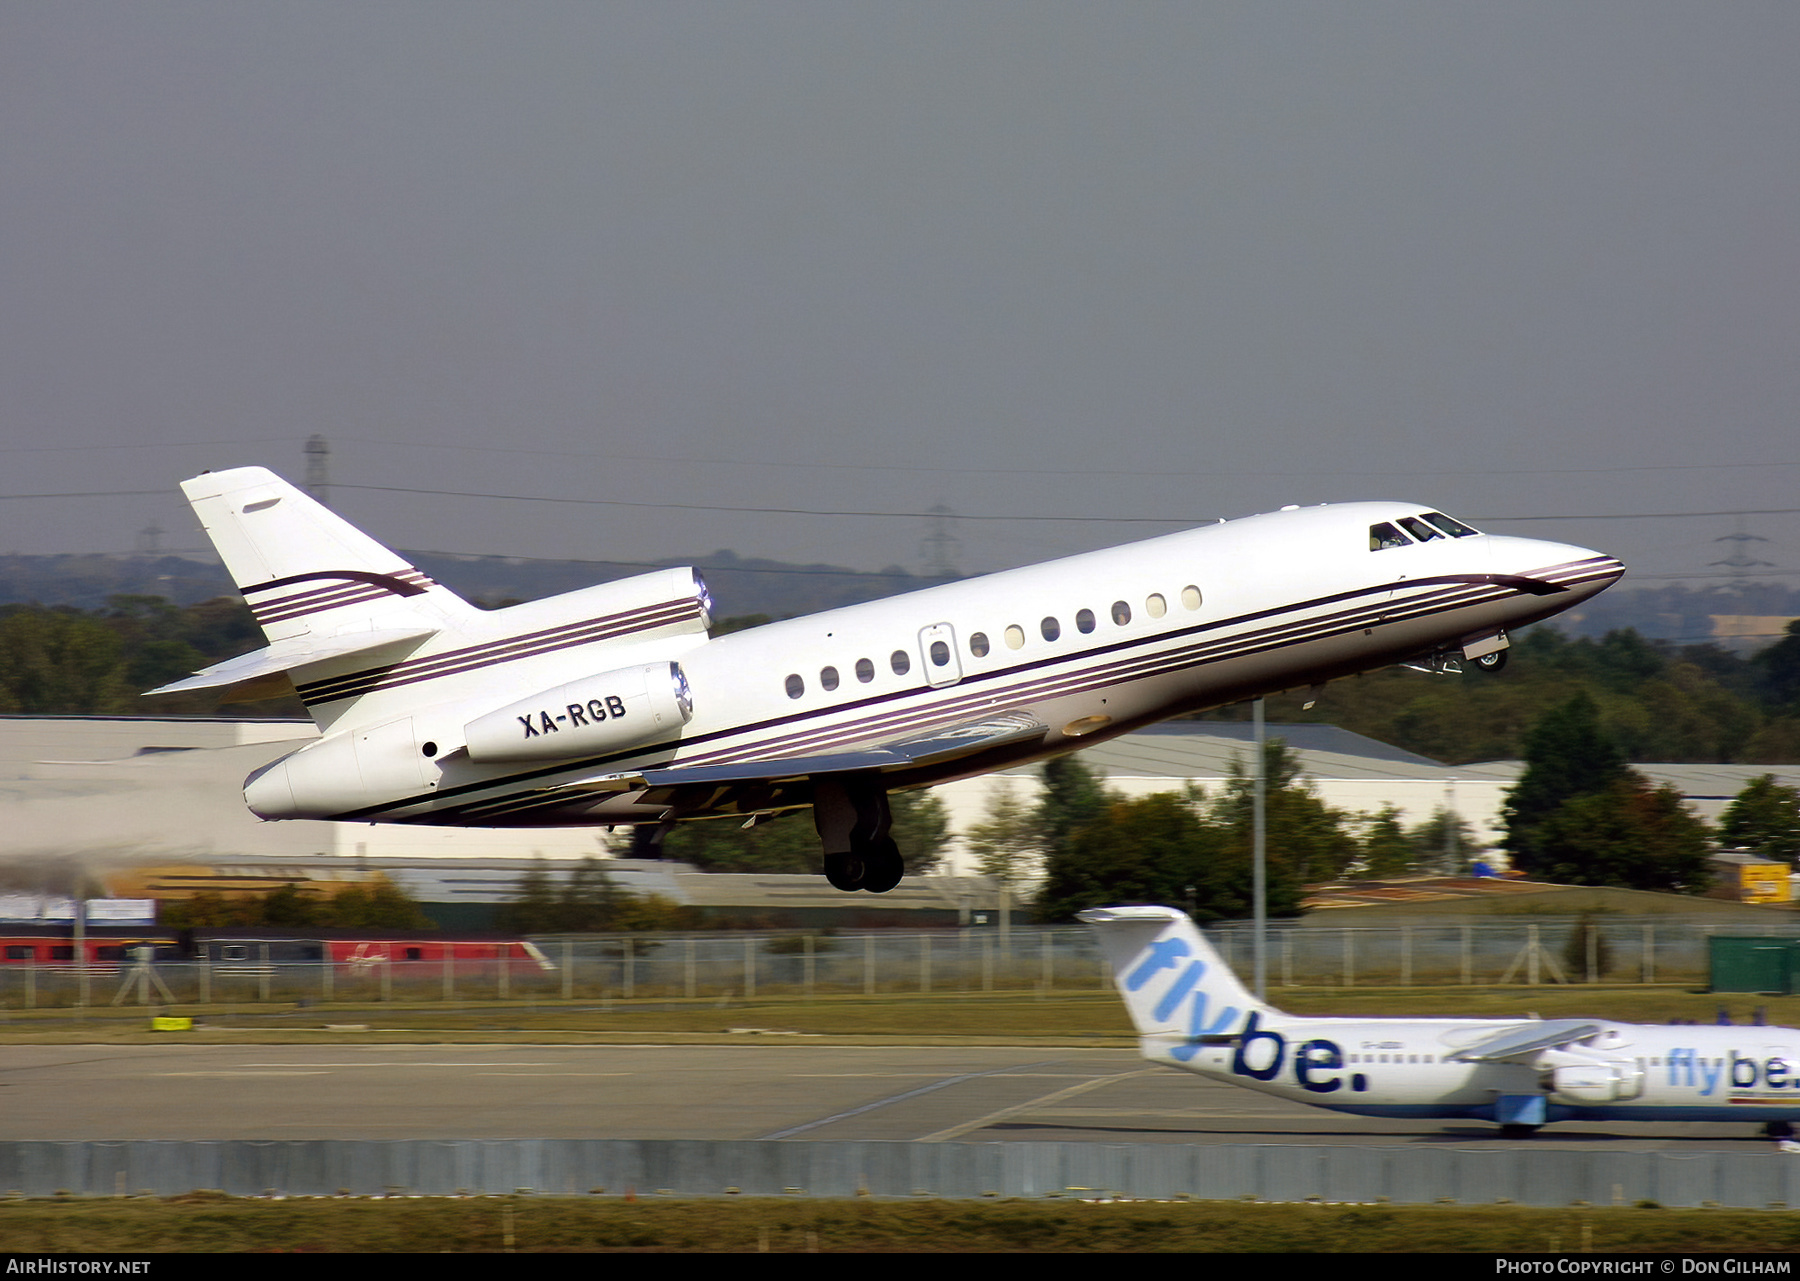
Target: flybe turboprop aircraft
(613, 705)
(1192, 1013)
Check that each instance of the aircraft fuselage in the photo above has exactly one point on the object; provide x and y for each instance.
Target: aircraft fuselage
(1087, 647)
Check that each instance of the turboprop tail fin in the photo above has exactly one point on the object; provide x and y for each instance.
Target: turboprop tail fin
(1176, 987)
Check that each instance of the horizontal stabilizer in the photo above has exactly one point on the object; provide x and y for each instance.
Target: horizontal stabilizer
(1526, 1039)
(299, 651)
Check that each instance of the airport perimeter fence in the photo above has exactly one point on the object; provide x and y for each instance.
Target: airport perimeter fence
(1039, 960)
(1360, 1173)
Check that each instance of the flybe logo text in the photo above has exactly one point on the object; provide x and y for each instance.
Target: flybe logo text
(1687, 1067)
(1261, 1053)
(1184, 989)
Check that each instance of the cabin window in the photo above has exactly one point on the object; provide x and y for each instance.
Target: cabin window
(978, 644)
(21, 953)
(828, 678)
(1384, 536)
(234, 952)
(1190, 597)
(795, 686)
(415, 954)
(1050, 628)
(1156, 606)
(1121, 613)
(900, 662)
(1454, 528)
(1084, 621)
(940, 654)
(1419, 529)
(865, 670)
(1015, 637)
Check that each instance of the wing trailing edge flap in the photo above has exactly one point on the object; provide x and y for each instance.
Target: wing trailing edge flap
(1526, 1039)
(939, 746)
(255, 670)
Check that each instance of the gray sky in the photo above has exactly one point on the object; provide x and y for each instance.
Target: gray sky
(1029, 260)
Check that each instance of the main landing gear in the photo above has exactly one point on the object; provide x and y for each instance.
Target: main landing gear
(852, 816)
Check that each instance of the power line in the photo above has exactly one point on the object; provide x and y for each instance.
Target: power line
(1183, 520)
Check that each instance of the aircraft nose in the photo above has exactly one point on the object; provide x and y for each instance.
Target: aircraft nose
(1560, 567)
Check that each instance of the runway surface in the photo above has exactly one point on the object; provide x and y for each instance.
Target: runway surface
(761, 1091)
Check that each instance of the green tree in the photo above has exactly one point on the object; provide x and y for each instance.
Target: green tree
(1631, 835)
(1385, 849)
(1005, 843)
(783, 843)
(291, 907)
(1445, 843)
(532, 908)
(59, 661)
(1779, 668)
(1764, 819)
(790, 843)
(1307, 839)
(921, 829)
(588, 902)
(1567, 755)
(378, 904)
(1155, 849)
(1072, 798)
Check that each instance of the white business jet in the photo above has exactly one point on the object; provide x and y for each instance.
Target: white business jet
(1192, 1013)
(613, 705)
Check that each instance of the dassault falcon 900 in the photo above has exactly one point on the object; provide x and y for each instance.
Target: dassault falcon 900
(613, 705)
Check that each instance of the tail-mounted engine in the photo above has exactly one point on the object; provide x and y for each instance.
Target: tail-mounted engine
(588, 717)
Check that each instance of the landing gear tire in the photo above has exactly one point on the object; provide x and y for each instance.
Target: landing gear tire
(1492, 662)
(884, 866)
(846, 871)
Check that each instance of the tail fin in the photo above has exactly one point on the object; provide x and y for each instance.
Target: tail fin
(304, 569)
(321, 589)
(1176, 987)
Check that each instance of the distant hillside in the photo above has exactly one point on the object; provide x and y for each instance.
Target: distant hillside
(739, 586)
(87, 582)
(1686, 615)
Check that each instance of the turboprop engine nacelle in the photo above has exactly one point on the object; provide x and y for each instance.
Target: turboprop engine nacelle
(588, 717)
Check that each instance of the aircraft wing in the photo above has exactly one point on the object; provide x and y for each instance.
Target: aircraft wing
(1526, 1039)
(282, 657)
(948, 744)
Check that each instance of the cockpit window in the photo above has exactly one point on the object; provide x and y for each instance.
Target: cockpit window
(1419, 529)
(1454, 528)
(1384, 536)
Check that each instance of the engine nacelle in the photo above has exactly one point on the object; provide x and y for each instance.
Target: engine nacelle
(588, 717)
(1608, 1082)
